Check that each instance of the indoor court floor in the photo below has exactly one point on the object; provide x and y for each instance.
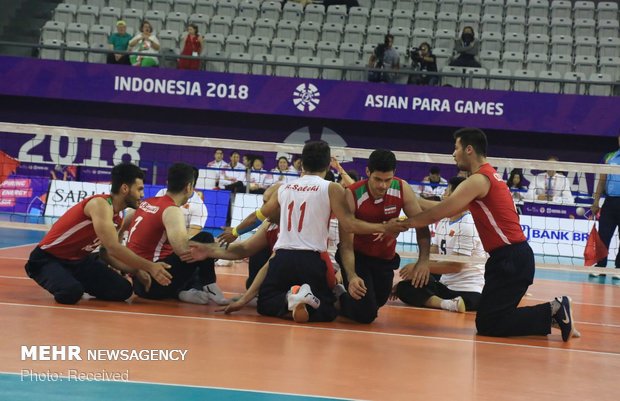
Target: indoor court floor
(406, 354)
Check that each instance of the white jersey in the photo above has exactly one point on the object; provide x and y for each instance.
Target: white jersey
(460, 237)
(194, 210)
(304, 214)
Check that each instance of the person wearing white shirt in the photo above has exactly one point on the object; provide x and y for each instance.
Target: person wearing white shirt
(259, 177)
(215, 168)
(234, 178)
(460, 286)
(282, 174)
(194, 211)
(433, 185)
(550, 186)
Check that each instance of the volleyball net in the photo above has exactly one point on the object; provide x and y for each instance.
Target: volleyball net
(45, 170)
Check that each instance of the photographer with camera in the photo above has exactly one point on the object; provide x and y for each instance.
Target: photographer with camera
(423, 59)
(467, 48)
(384, 57)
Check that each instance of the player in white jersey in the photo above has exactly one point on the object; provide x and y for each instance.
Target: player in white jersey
(460, 285)
(297, 274)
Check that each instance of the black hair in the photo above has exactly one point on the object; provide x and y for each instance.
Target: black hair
(430, 48)
(179, 175)
(387, 37)
(144, 22)
(220, 149)
(316, 156)
(381, 160)
(516, 171)
(434, 170)
(235, 151)
(125, 173)
(473, 32)
(474, 137)
(195, 28)
(196, 174)
(455, 182)
(282, 157)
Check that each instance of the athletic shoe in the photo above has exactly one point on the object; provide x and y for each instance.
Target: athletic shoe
(564, 317)
(194, 296)
(615, 277)
(594, 275)
(215, 294)
(339, 290)
(455, 305)
(223, 262)
(301, 294)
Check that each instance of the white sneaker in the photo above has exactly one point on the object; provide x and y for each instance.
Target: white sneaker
(301, 295)
(454, 305)
(615, 277)
(596, 275)
(215, 294)
(223, 262)
(194, 296)
(339, 290)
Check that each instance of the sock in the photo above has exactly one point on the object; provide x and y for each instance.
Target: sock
(194, 296)
(555, 307)
(446, 304)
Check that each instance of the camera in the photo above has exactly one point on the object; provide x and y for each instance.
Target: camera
(413, 53)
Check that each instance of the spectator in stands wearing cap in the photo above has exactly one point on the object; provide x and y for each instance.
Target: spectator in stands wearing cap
(146, 43)
(119, 41)
(466, 48)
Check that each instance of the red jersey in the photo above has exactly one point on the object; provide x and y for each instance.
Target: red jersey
(377, 211)
(147, 233)
(73, 236)
(495, 215)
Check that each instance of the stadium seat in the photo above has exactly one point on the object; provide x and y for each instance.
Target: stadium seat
(249, 9)
(524, 81)
(401, 19)
(169, 39)
(538, 8)
(561, 9)
(586, 65)
(514, 42)
(285, 71)
(326, 50)
(601, 89)
(516, 7)
(236, 44)
(471, 6)
(442, 55)
(429, 6)
(54, 53)
(584, 10)
(213, 42)
(538, 44)
(332, 32)
(353, 33)
(607, 29)
(309, 72)
(99, 58)
(259, 45)
(98, 34)
(454, 81)
(446, 21)
(163, 6)
(585, 46)
(561, 63)
(376, 34)
(549, 87)
(571, 88)
(216, 65)
(201, 21)
(359, 16)
(336, 14)
(76, 32)
(53, 30)
(88, 15)
(512, 61)
(405, 5)
(609, 66)
(243, 26)
(332, 73)
(77, 54)
(607, 10)
(492, 23)
(537, 26)
(65, 13)
(424, 20)
(206, 7)
(109, 16)
(156, 19)
(490, 59)
(304, 48)
(449, 6)
(537, 62)
(385, 4)
(287, 29)
(228, 8)
(281, 47)
(561, 26)
(292, 11)
(562, 44)
(265, 27)
(584, 27)
(133, 18)
(177, 21)
(239, 67)
(502, 80)
(514, 24)
(493, 7)
(349, 52)
(183, 6)
(380, 16)
(314, 13)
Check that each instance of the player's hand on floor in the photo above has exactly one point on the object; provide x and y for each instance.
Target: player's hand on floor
(357, 288)
(160, 273)
(230, 308)
(393, 294)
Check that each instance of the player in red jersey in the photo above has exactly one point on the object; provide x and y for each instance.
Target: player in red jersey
(158, 232)
(64, 264)
(510, 268)
(369, 263)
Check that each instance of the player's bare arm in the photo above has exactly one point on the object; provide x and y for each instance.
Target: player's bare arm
(100, 212)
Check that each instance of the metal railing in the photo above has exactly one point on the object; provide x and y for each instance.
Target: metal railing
(221, 63)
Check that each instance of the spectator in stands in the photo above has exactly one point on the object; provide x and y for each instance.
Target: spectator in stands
(385, 57)
(517, 185)
(119, 41)
(302, 2)
(433, 185)
(215, 167)
(466, 49)
(551, 186)
(192, 47)
(423, 59)
(345, 178)
(234, 178)
(282, 173)
(147, 44)
(258, 176)
(296, 167)
(65, 173)
(348, 3)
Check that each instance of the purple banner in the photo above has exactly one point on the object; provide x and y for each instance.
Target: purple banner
(516, 111)
(552, 210)
(27, 195)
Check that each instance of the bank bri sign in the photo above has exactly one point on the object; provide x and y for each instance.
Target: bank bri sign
(345, 100)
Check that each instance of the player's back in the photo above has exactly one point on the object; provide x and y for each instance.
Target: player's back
(304, 214)
(147, 233)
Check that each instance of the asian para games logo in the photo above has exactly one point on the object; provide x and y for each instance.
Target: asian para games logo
(306, 97)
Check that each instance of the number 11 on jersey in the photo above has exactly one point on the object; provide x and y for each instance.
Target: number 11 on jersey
(302, 209)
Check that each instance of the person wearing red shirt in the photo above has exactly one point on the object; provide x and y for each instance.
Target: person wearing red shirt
(509, 271)
(191, 47)
(369, 263)
(158, 232)
(64, 263)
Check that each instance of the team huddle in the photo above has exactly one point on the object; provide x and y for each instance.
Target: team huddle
(96, 245)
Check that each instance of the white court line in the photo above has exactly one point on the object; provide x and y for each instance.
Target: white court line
(217, 388)
(306, 327)
(15, 247)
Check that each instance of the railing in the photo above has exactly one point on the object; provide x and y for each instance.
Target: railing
(348, 72)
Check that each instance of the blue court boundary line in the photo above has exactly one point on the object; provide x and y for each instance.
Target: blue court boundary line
(65, 389)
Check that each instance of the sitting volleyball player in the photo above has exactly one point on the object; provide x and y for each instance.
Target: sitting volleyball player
(204, 287)
(296, 277)
(64, 263)
(461, 284)
(158, 233)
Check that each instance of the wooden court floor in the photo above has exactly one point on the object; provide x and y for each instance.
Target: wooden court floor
(406, 354)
